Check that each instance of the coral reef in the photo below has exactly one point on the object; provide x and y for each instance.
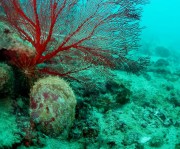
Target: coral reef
(8, 127)
(113, 109)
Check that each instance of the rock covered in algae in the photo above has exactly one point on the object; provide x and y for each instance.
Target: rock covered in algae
(52, 105)
(6, 80)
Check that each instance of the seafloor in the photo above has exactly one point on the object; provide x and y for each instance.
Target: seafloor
(130, 111)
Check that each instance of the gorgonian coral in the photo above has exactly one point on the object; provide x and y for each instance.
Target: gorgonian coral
(74, 35)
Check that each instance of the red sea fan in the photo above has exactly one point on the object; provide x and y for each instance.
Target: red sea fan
(23, 61)
(95, 32)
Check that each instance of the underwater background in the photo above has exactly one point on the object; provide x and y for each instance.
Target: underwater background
(161, 19)
(119, 108)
